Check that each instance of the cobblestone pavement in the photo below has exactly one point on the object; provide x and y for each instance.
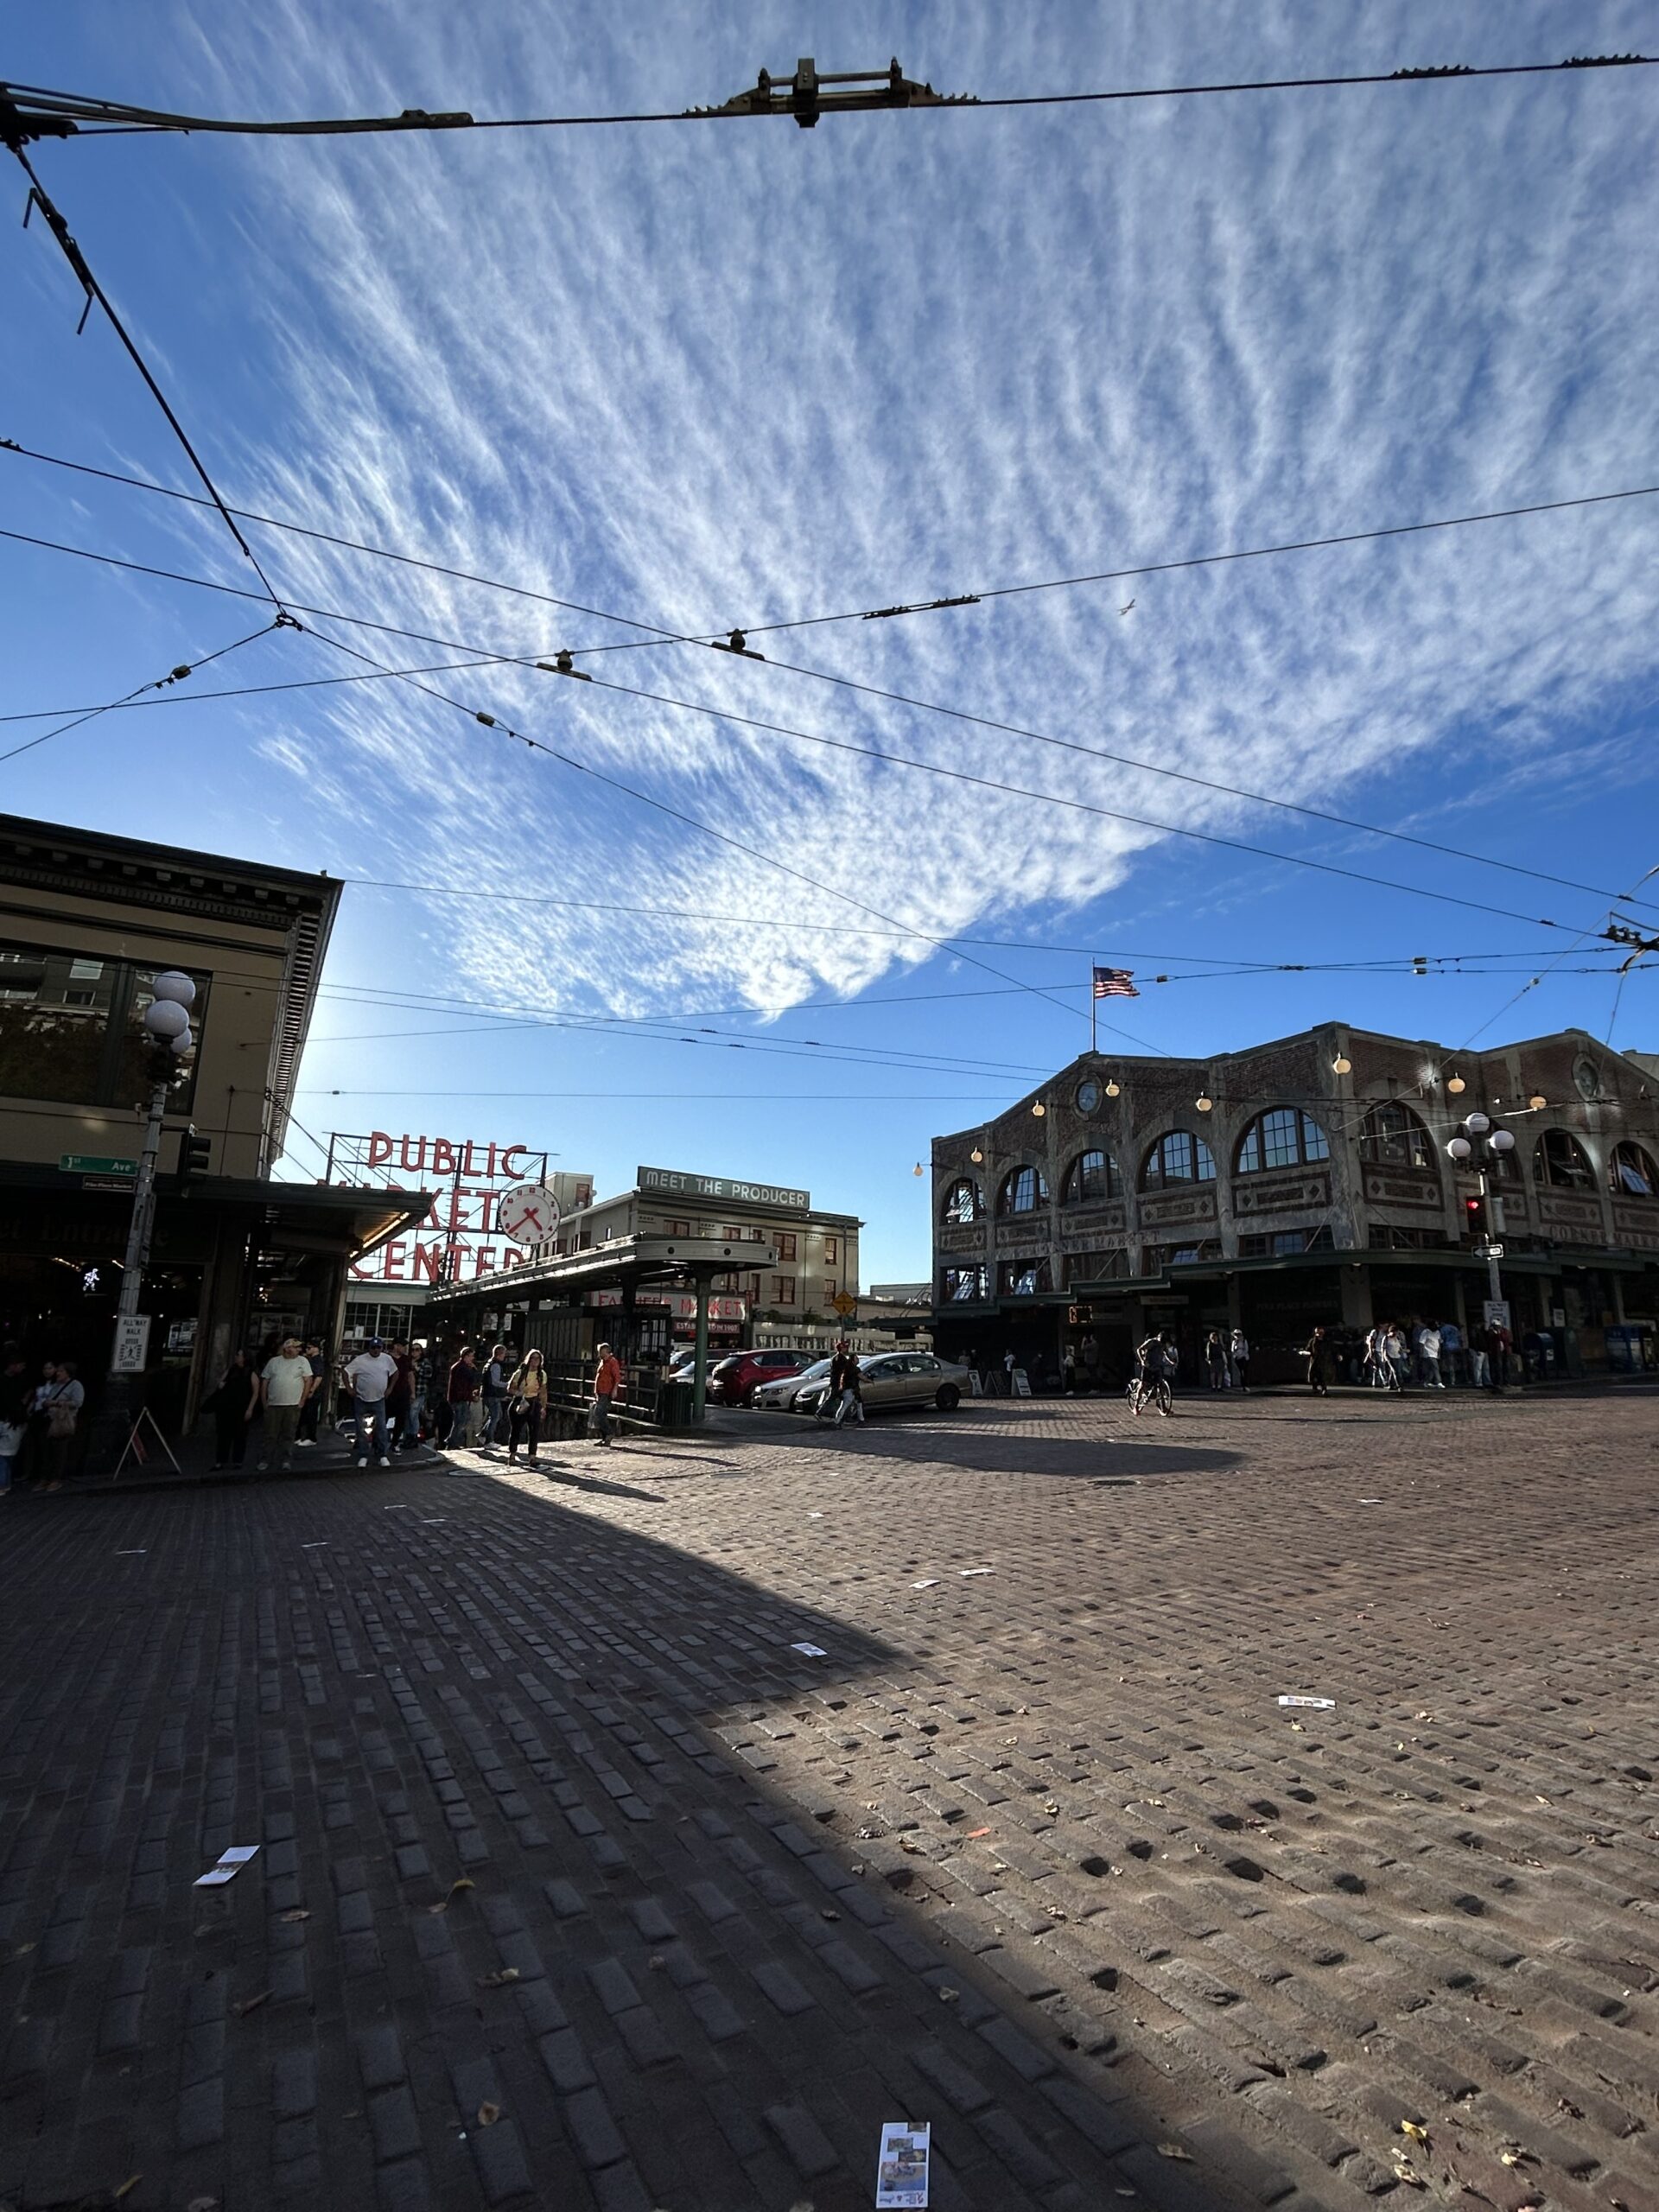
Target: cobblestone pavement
(1031, 1851)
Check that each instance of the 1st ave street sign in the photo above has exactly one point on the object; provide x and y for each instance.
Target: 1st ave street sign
(83, 1163)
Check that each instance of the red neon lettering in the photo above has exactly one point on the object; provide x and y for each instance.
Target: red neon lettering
(412, 1166)
(394, 1255)
(425, 1258)
(444, 1156)
(483, 1261)
(512, 1152)
(380, 1148)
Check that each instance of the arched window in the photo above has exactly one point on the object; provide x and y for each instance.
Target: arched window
(1562, 1162)
(1393, 1137)
(1092, 1176)
(1285, 1137)
(1631, 1173)
(1023, 1190)
(1178, 1157)
(963, 1202)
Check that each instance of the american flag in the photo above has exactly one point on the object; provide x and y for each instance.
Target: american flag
(1114, 984)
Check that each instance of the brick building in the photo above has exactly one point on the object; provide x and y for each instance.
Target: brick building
(1299, 1182)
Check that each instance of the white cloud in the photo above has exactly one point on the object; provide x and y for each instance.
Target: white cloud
(710, 374)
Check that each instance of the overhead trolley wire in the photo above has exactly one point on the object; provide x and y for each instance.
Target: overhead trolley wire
(43, 112)
(39, 197)
(893, 759)
(659, 636)
(175, 675)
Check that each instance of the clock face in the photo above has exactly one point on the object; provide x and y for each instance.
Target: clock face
(1088, 1094)
(1586, 1078)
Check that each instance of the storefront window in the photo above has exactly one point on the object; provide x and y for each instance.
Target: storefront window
(1286, 1137)
(1024, 1278)
(1560, 1162)
(961, 1286)
(72, 1027)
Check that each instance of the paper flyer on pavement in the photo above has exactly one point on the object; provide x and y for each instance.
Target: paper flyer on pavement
(901, 2169)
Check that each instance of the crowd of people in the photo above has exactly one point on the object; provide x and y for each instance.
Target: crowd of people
(390, 1399)
(40, 1420)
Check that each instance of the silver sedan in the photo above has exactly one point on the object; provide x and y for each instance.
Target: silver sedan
(896, 1378)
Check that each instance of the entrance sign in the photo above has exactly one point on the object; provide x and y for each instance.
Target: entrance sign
(673, 1182)
(463, 1236)
(132, 1348)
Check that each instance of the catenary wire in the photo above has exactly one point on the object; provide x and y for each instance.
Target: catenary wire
(892, 760)
(89, 116)
(707, 829)
(659, 636)
(82, 268)
(176, 675)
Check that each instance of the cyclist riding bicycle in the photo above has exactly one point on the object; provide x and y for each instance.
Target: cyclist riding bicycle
(1154, 1362)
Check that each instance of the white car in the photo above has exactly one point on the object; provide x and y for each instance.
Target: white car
(779, 1398)
(893, 1378)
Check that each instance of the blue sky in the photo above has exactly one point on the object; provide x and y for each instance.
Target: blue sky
(731, 373)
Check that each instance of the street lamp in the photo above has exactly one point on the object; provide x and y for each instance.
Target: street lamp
(1477, 1140)
(166, 1023)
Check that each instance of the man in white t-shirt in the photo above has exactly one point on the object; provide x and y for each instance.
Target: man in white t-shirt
(370, 1375)
(285, 1383)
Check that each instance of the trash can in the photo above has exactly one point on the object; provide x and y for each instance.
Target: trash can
(1624, 1351)
(674, 1402)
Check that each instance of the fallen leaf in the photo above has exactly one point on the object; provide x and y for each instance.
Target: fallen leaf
(1514, 2157)
(253, 2003)
(455, 1888)
(130, 2183)
(974, 1835)
(1298, 1727)
(1175, 2150)
(298, 1913)
(1417, 2134)
(498, 1981)
(488, 2114)
(905, 1844)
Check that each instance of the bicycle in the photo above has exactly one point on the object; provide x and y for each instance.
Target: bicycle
(1143, 1389)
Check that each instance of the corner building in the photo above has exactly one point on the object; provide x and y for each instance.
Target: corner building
(1301, 1182)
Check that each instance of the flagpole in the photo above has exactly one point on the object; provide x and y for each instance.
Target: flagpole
(1094, 1007)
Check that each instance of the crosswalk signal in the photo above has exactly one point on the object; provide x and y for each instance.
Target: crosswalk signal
(193, 1155)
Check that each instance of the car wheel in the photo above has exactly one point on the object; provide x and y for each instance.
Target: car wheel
(948, 1398)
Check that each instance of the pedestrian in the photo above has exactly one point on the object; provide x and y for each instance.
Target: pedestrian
(285, 1382)
(1069, 1371)
(1317, 1353)
(1090, 1351)
(845, 1394)
(1502, 1345)
(32, 1459)
(608, 1380)
(526, 1405)
(370, 1378)
(1240, 1348)
(238, 1388)
(496, 1377)
(1429, 1343)
(1480, 1357)
(401, 1415)
(1394, 1361)
(14, 1411)
(61, 1402)
(461, 1394)
(311, 1411)
(1215, 1354)
(1452, 1349)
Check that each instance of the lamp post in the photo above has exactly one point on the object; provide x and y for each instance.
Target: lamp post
(166, 1026)
(1477, 1140)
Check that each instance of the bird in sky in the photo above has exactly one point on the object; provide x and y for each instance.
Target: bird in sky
(1124, 610)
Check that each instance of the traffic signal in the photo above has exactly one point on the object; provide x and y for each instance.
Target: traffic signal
(1471, 1213)
(193, 1155)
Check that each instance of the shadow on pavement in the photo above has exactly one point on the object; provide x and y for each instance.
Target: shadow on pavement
(506, 1765)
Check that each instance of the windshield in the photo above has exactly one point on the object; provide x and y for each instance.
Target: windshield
(819, 1367)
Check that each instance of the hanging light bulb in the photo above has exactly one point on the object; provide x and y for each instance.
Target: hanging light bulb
(1537, 1101)
(917, 1169)
(1037, 1108)
(1342, 1064)
(1204, 1102)
(1112, 1088)
(977, 1157)
(1456, 1085)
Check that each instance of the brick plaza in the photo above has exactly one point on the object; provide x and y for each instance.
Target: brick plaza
(1033, 1853)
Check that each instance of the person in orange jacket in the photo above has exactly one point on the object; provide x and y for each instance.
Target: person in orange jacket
(608, 1380)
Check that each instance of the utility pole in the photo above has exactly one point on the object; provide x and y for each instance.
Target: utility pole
(167, 1024)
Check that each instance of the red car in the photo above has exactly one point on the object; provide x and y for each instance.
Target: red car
(732, 1382)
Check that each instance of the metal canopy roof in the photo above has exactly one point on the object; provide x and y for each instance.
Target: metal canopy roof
(624, 1262)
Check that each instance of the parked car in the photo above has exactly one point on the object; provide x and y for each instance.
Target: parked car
(733, 1381)
(897, 1378)
(778, 1397)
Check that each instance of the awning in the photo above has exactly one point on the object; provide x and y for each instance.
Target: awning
(622, 1264)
